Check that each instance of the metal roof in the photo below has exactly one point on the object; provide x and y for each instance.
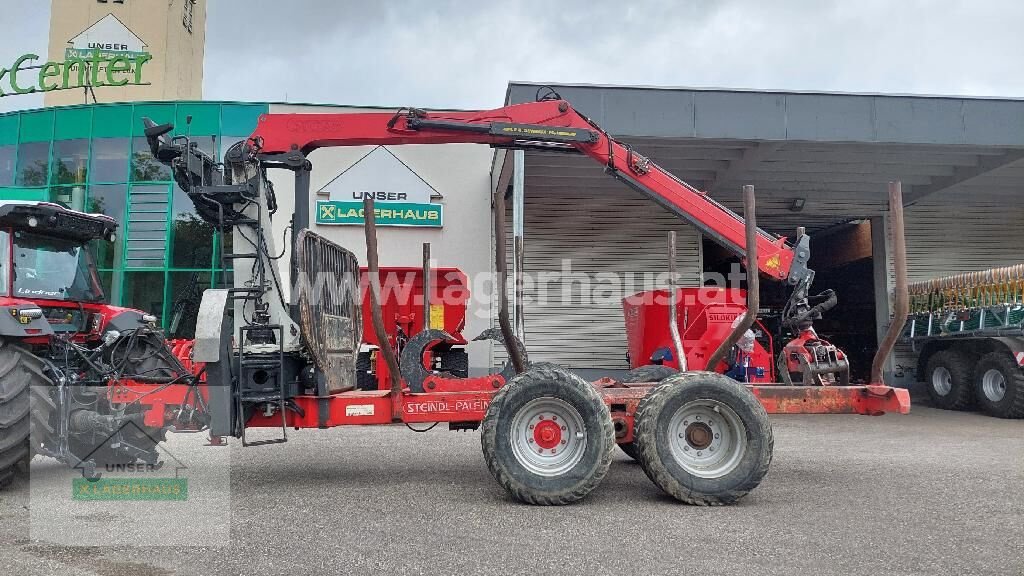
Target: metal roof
(835, 151)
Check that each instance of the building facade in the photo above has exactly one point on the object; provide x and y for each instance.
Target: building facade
(95, 158)
(124, 50)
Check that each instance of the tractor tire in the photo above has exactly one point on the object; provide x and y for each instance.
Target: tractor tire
(365, 379)
(999, 386)
(455, 361)
(24, 404)
(703, 438)
(648, 373)
(547, 437)
(948, 377)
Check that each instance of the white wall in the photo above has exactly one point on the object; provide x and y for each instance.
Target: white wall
(459, 172)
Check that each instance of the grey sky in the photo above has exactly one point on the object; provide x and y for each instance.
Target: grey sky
(462, 54)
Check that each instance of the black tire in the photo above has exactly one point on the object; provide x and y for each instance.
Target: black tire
(365, 380)
(648, 373)
(1004, 397)
(24, 401)
(748, 425)
(947, 377)
(586, 469)
(96, 447)
(455, 361)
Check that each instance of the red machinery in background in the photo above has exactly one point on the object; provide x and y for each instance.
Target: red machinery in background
(406, 313)
(705, 317)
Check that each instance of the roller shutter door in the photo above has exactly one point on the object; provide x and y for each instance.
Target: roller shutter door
(615, 243)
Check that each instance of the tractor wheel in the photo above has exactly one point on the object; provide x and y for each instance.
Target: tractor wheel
(648, 373)
(703, 438)
(999, 385)
(365, 378)
(455, 361)
(24, 404)
(548, 437)
(948, 380)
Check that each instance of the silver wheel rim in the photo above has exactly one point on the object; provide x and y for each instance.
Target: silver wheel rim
(993, 385)
(942, 381)
(707, 438)
(548, 436)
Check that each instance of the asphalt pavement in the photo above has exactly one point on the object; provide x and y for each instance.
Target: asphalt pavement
(933, 492)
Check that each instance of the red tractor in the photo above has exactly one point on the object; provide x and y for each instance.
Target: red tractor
(65, 356)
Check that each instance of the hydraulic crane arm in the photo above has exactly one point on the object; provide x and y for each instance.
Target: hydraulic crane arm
(552, 124)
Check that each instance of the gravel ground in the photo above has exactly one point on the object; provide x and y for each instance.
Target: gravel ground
(930, 493)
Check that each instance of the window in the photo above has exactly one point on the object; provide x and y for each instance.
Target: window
(7, 155)
(109, 160)
(144, 291)
(54, 268)
(70, 161)
(108, 199)
(33, 164)
(69, 196)
(145, 168)
(186, 293)
(193, 237)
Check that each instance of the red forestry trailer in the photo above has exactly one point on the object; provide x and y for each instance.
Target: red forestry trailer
(547, 435)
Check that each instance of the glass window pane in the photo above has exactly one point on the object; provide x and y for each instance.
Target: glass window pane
(106, 280)
(145, 168)
(108, 199)
(193, 236)
(33, 164)
(109, 160)
(7, 155)
(69, 196)
(144, 291)
(70, 161)
(186, 292)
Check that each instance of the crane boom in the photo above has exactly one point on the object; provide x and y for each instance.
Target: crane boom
(550, 124)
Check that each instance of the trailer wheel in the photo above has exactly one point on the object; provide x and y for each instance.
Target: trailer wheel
(547, 437)
(703, 438)
(948, 380)
(648, 373)
(999, 386)
(23, 403)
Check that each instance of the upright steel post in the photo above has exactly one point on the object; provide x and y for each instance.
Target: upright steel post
(673, 324)
(901, 305)
(753, 281)
(373, 277)
(518, 229)
(501, 270)
(426, 286)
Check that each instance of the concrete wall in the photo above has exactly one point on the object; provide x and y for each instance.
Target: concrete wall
(174, 73)
(459, 172)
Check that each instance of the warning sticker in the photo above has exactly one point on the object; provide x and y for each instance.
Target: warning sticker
(359, 410)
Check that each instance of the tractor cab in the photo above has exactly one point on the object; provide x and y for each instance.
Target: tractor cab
(45, 261)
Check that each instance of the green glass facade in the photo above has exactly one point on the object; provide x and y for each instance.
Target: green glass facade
(95, 158)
